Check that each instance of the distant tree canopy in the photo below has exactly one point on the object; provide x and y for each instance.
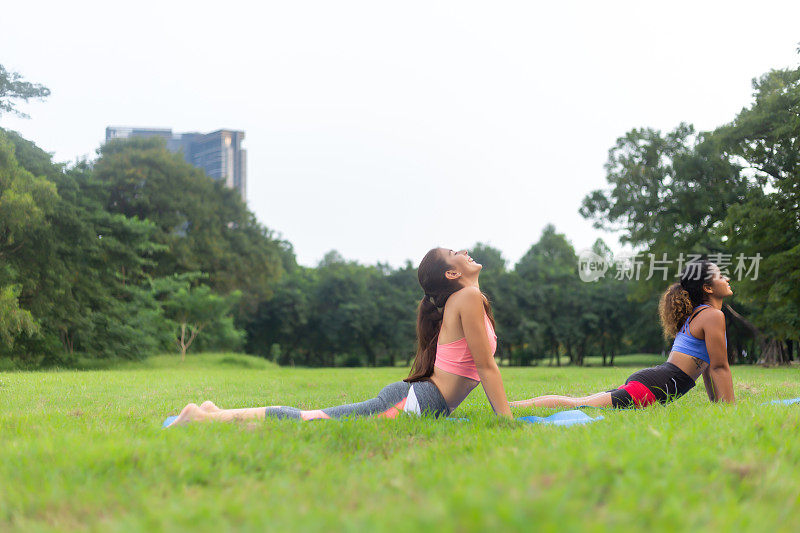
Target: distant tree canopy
(340, 313)
(345, 314)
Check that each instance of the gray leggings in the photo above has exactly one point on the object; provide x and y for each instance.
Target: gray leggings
(425, 398)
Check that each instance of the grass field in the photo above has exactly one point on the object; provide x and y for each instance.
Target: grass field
(85, 451)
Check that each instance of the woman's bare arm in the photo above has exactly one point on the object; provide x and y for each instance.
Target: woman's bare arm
(718, 372)
(472, 321)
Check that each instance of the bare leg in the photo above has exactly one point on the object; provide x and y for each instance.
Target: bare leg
(193, 413)
(601, 399)
(228, 415)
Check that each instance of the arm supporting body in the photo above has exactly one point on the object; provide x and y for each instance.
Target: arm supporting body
(472, 320)
(717, 376)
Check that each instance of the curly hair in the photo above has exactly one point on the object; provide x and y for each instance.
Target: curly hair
(673, 309)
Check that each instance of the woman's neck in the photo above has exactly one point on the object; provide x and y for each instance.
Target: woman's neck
(473, 282)
(716, 303)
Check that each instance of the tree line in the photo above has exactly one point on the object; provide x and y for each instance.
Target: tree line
(136, 252)
(345, 314)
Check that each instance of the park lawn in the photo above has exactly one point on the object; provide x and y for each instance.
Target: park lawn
(84, 450)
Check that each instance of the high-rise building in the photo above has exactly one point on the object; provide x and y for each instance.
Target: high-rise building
(219, 153)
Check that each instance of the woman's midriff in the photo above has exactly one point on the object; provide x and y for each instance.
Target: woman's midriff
(454, 388)
(691, 365)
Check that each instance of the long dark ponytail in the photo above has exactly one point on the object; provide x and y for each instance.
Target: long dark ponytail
(681, 298)
(430, 311)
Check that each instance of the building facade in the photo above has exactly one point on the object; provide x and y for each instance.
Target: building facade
(219, 153)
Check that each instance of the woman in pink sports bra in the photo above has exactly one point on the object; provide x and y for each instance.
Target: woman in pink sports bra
(455, 352)
(455, 331)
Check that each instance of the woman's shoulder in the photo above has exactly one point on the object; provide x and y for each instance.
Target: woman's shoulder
(466, 297)
(711, 317)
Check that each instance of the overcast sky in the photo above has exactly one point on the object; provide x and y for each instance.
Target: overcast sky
(383, 129)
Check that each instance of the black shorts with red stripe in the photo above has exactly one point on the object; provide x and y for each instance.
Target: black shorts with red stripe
(663, 383)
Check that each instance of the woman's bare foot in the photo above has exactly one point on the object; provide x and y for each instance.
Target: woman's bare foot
(190, 413)
(209, 407)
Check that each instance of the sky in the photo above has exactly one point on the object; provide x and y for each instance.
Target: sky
(383, 129)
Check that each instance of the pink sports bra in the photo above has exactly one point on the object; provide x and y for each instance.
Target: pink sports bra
(455, 357)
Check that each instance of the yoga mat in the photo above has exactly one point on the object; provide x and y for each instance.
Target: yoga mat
(168, 421)
(562, 418)
(783, 402)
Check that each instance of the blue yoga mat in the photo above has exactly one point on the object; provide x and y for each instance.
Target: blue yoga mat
(784, 402)
(562, 418)
(168, 421)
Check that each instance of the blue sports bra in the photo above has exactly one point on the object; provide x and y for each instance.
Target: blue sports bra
(687, 343)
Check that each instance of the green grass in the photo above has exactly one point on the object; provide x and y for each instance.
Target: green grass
(83, 450)
(639, 360)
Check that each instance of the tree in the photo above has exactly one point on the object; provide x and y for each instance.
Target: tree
(201, 224)
(283, 320)
(766, 138)
(396, 293)
(13, 320)
(12, 87)
(548, 278)
(668, 192)
(339, 314)
(194, 309)
(80, 268)
(25, 200)
(345, 312)
(25, 203)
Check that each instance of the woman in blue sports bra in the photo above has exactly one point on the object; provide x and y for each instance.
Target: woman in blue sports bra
(690, 311)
